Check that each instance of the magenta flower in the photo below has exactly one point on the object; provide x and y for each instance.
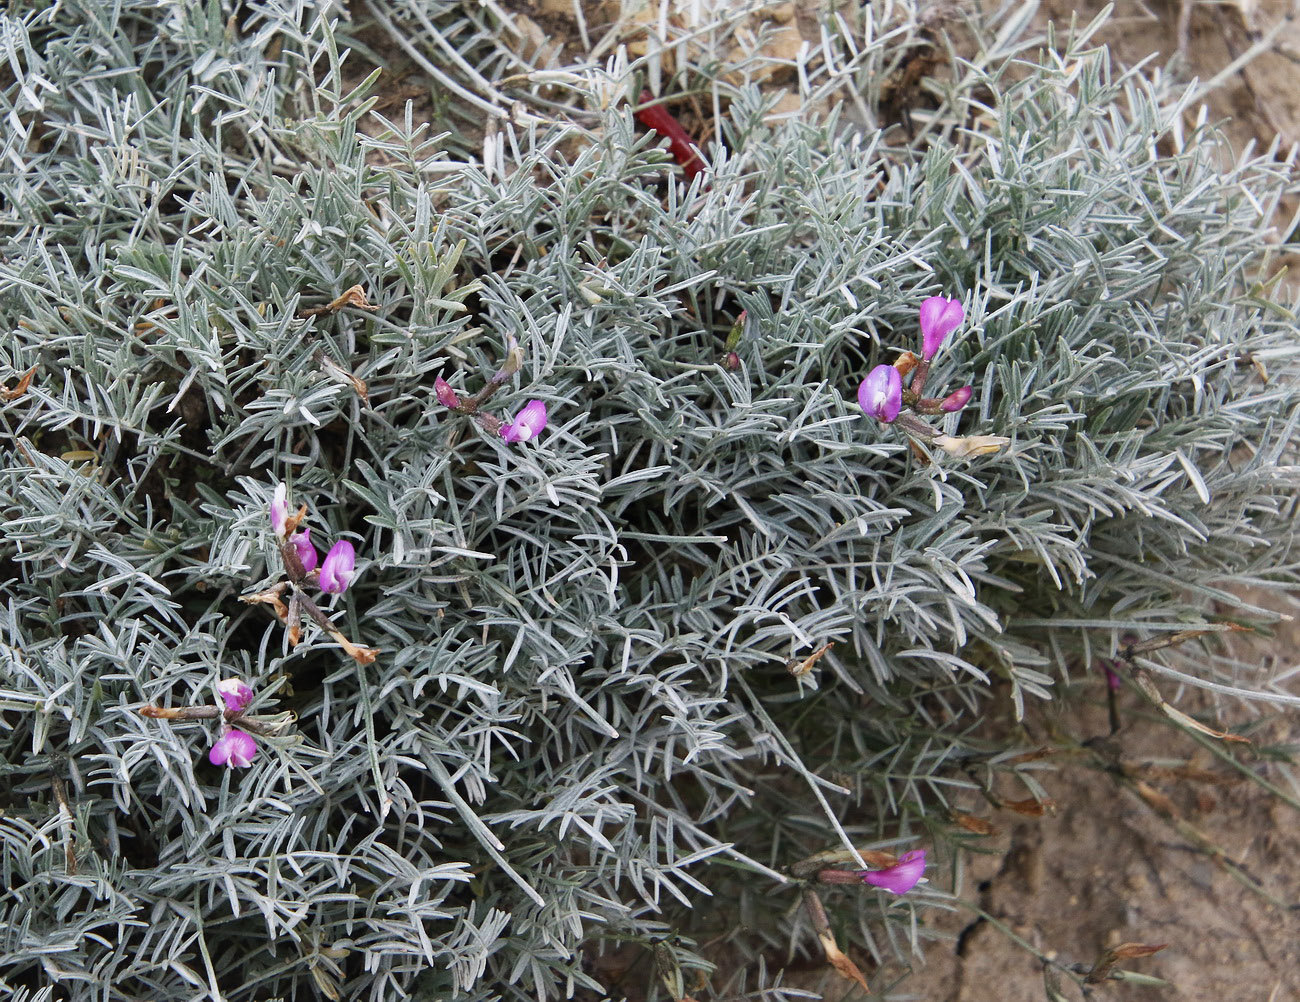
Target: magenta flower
(234, 749)
(899, 878)
(527, 424)
(956, 400)
(939, 318)
(236, 692)
(336, 571)
(881, 393)
(446, 395)
(307, 554)
(280, 510)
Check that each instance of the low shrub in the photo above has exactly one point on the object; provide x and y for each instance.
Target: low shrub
(596, 720)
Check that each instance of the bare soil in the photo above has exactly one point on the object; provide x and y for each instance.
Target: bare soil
(1154, 841)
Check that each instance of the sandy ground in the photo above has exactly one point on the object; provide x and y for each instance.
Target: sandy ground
(1155, 841)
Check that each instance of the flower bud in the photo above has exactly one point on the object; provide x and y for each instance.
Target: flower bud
(307, 555)
(280, 510)
(956, 400)
(446, 395)
(236, 693)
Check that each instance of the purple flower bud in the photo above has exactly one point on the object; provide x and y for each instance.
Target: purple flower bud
(446, 395)
(527, 424)
(236, 692)
(956, 400)
(336, 571)
(881, 393)
(939, 318)
(1112, 677)
(234, 749)
(280, 510)
(307, 555)
(731, 361)
(899, 878)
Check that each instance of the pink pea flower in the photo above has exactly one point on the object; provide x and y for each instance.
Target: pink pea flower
(939, 318)
(899, 878)
(527, 424)
(336, 571)
(234, 749)
(446, 395)
(280, 510)
(956, 400)
(236, 692)
(881, 393)
(307, 555)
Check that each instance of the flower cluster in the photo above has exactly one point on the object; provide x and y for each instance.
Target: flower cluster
(235, 748)
(236, 745)
(340, 562)
(527, 424)
(882, 395)
(333, 575)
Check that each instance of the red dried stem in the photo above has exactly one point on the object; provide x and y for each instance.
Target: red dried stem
(661, 120)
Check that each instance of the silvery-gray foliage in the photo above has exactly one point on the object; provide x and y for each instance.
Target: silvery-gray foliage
(581, 733)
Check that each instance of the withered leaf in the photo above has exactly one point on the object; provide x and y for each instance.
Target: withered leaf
(355, 296)
(800, 668)
(977, 826)
(1125, 951)
(1156, 643)
(358, 384)
(1031, 807)
(1155, 799)
(1129, 951)
(843, 965)
(24, 382)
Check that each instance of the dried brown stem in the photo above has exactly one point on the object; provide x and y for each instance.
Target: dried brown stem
(180, 712)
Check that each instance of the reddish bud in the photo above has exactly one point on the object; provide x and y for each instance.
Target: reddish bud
(446, 395)
(956, 400)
